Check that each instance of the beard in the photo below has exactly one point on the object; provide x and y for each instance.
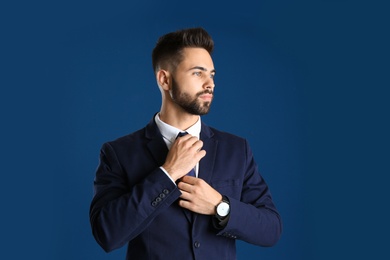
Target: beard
(192, 105)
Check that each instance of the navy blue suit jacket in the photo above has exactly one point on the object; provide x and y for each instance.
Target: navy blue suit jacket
(135, 203)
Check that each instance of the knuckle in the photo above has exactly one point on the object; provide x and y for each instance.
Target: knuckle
(199, 181)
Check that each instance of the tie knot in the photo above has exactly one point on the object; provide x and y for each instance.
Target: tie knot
(180, 134)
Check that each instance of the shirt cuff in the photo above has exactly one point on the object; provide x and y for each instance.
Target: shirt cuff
(167, 174)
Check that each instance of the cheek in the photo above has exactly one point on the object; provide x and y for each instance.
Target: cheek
(189, 81)
(189, 88)
(189, 85)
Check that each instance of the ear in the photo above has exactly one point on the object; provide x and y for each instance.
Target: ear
(163, 79)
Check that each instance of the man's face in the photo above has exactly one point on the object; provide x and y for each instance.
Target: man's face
(193, 82)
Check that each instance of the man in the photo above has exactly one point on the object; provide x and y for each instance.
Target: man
(179, 189)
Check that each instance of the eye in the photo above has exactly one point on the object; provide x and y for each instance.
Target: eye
(198, 73)
(212, 76)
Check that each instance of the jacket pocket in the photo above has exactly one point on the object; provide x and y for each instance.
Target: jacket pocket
(229, 187)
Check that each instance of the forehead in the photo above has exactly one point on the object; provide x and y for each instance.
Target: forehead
(196, 57)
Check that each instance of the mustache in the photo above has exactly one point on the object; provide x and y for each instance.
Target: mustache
(207, 91)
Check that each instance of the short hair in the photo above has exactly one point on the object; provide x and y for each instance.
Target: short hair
(168, 51)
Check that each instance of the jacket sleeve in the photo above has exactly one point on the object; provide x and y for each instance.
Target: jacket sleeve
(253, 218)
(119, 211)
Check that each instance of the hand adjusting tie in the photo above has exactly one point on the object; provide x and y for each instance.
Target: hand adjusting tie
(192, 172)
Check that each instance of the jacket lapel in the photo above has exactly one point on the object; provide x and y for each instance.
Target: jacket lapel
(156, 144)
(210, 145)
(206, 164)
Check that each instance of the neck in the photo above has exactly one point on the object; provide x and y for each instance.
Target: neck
(177, 118)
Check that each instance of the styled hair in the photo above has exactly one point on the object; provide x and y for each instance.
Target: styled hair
(168, 52)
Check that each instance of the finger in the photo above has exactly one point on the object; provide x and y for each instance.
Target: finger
(190, 206)
(183, 185)
(184, 204)
(185, 195)
(181, 140)
(189, 180)
(196, 146)
(189, 139)
(200, 154)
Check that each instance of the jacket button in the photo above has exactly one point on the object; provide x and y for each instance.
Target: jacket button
(154, 203)
(165, 191)
(197, 244)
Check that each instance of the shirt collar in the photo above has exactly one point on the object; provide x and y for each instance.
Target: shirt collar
(170, 133)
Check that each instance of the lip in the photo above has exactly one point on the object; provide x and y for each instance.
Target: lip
(206, 96)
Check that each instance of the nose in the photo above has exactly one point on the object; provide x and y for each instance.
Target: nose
(209, 83)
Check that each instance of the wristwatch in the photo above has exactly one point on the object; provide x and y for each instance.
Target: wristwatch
(223, 208)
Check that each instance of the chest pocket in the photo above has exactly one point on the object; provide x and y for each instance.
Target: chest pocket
(229, 187)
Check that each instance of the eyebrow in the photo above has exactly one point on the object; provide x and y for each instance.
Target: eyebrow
(202, 68)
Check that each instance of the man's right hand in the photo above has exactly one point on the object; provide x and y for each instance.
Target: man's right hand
(184, 154)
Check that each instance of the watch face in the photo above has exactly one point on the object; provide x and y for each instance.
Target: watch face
(223, 209)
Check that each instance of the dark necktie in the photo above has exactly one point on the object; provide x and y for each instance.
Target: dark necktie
(192, 172)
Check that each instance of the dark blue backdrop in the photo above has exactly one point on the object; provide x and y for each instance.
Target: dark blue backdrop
(304, 81)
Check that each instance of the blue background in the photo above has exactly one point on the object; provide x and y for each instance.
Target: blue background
(306, 82)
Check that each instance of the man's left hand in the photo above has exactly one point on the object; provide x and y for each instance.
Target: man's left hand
(198, 196)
